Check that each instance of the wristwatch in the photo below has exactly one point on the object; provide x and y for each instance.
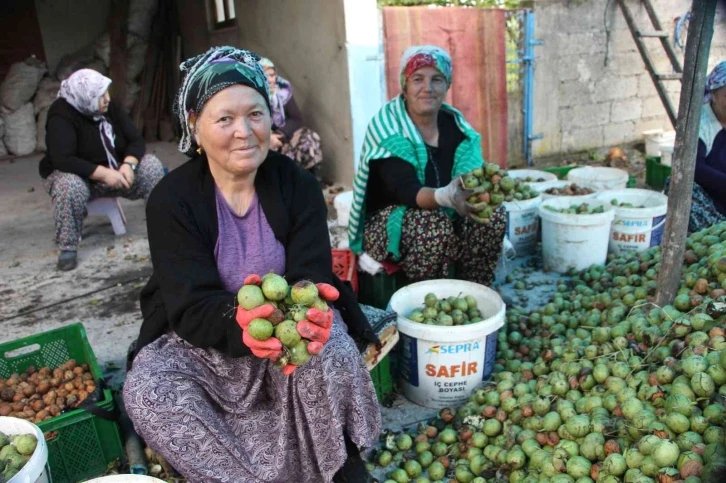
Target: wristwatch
(134, 166)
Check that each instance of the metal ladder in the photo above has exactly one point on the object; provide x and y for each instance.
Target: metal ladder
(658, 32)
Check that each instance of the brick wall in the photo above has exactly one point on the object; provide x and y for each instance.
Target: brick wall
(581, 103)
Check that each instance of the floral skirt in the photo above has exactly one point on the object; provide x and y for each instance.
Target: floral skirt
(703, 211)
(240, 420)
(431, 242)
(304, 147)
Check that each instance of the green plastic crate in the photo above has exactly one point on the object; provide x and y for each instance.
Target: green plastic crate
(377, 290)
(82, 444)
(382, 381)
(656, 173)
(560, 171)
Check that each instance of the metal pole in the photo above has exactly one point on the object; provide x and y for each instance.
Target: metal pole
(528, 105)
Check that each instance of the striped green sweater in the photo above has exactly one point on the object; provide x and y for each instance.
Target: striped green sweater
(392, 133)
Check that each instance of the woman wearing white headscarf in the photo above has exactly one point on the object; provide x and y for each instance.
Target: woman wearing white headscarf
(93, 151)
(708, 203)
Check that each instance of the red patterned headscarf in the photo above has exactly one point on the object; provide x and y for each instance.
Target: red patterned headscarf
(419, 56)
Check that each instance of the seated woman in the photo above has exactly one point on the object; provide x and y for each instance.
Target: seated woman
(414, 153)
(93, 151)
(202, 392)
(708, 205)
(289, 136)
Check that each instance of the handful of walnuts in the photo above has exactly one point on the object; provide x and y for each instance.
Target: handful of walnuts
(37, 395)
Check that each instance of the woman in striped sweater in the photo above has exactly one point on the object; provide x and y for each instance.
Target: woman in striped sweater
(409, 206)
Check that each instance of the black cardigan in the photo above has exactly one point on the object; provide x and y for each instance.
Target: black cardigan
(74, 142)
(185, 293)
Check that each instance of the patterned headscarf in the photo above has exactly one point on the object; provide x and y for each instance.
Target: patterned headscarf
(209, 73)
(715, 80)
(280, 94)
(419, 56)
(83, 90)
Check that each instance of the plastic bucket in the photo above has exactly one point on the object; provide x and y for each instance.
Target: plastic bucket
(540, 186)
(666, 153)
(636, 229)
(36, 469)
(125, 479)
(441, 366)
(523, 225)
(562, 184)
(599, 179)
(574, 241)
(652, 141)
(342, 204)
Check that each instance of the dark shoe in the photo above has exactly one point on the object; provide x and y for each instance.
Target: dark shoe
(354, 469)
(67, 260)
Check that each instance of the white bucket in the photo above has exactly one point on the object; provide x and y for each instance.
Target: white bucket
(652, 142)
(441, 366)
(540, 186)
(523, 224)
(125, 479)
(562, 184)
(599, 179)
(36, 469)
(636, 229)
(666, 153)
(342, 204)
(574, 241)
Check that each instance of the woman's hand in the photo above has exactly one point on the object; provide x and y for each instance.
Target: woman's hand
(264, 349)
(110, 177)
(276, 141)
(127, 173)
(455, 196)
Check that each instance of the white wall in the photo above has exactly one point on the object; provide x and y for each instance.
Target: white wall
(580, 103)
(365, 66)
(69, 25)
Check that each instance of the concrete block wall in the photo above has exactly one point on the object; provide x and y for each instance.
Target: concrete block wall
(580, 102)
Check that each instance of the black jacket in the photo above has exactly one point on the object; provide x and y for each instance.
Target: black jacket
(185, 293)
(74, 144)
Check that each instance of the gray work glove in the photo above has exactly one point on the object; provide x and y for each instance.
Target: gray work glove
(455, 196)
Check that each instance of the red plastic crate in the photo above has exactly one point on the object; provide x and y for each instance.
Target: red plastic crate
(344, 267)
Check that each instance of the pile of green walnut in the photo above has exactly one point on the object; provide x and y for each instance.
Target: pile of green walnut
(599, 385)
(449, 311)
(493, 186)
(15, 451)
(623, 204)
(581, 209)
(569, 190)
(291, 305)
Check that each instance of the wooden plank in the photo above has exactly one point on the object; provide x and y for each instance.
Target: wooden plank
(117, 57)
(663, 40)
(662, 92)
(653, 33)
(700, 32)
(669, 77)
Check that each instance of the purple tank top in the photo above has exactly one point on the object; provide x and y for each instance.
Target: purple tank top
(246, 244)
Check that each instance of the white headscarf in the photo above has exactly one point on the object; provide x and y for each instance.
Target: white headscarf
(83, 90)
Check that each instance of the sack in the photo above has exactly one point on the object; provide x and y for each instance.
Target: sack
(46, 95)
(141, 15)
(21, 83)
(42, 119)
(20, 130)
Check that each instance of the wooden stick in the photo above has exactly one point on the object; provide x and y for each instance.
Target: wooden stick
(700, 32)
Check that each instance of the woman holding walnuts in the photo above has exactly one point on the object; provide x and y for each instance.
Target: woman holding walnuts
(207, 395)
(409, 204)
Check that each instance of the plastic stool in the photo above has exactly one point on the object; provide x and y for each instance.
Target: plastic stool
(111, 208)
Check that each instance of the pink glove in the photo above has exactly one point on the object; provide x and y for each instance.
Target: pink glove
(316, 328)
(253, 279)
(264, 349)
(327, 292)
(244, 317)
